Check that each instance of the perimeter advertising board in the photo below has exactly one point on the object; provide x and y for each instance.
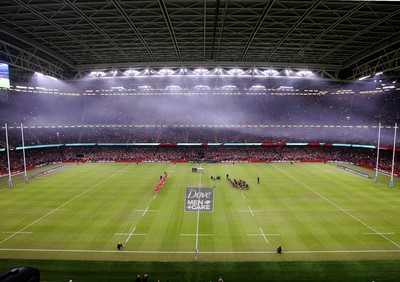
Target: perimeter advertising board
(199, 199)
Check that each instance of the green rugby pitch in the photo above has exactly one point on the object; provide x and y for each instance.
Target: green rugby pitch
(316, 212)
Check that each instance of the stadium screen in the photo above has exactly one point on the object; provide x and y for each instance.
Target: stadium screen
(4, 76)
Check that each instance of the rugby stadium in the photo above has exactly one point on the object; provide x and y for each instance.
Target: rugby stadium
(215, 140)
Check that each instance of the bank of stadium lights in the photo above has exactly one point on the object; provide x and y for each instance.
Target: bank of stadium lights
(364, 77)
(202, 87)
(131, 72)
(304, 73)
(39, 74)
(270, 72)
(370, 76)
(173, 87)
(200, 71)
(145, 88)
(229, 87)
(257, 87)
(236, 71)
(98, 73)
(165, 71)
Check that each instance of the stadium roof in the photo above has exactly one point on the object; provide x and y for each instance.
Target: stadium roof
(340, 40)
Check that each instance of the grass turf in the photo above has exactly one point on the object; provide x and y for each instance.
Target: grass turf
(325, 218)
(97, 271)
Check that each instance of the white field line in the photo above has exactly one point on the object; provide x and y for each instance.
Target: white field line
(264, 235)
(187, 234)
(143, 214)
(251, 211)
(130, 235)
(12, 232)
(20, 190)
(8, 188)
(338, 207)
(385, 233)
(198, 221)
(243, 196)
(204, 252)
(145, 211)
(60, 206)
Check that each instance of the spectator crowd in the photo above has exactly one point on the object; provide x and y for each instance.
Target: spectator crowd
(211, 154)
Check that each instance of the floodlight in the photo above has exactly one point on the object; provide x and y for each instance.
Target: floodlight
(200, 71)
(270, 72)
(98, 73)
(304, 73)
(235, 71)
(131, 72)
(183, 70)
(45, 75)
(145, 87)
(202, 87)
(173, 87)
(257, 87)
(364, 77)
(165, 71)
(229, 87)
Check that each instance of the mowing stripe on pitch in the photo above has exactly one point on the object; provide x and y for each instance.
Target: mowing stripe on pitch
(145, 211)
(12, 232)
(338, 207)
(130, 235)
(250, 210)
(127, 234)
(384, 233)
(264, 235)
(187, 234)
(204, 252)
(16, 185)
(198, 222)
(62, 205)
